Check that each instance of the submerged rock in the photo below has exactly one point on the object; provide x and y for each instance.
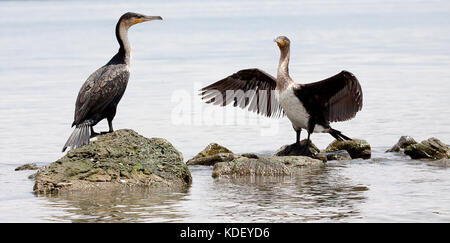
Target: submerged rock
(30, 166)
(357, 148)
(211, 160)
(402, 143)
(440, 163)
(338, 155)
(212, 154)
(116, 160)
(265, 166)
(431, 148)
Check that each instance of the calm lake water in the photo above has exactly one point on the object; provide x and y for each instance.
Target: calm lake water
(399, 50)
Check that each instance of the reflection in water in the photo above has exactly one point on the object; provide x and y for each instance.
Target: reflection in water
(315, 195)
(117, 206)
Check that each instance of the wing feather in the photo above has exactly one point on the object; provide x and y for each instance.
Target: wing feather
(250, 88)
(339, 97)
(100, 89)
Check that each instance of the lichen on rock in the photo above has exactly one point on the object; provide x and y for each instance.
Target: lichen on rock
(265, 166)
(119, 159)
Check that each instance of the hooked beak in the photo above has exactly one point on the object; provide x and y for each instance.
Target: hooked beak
(148, 18)
(280, 42)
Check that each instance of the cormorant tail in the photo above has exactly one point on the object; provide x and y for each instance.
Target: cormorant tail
(338, 135)
(79, 137)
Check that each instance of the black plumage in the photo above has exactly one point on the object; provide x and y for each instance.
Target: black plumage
(257, 89)
(101, 93)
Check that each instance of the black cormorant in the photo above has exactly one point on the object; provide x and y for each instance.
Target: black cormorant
(309, 106)
(102, 91)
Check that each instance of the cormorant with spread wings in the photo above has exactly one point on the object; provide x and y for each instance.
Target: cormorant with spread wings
(308, 106)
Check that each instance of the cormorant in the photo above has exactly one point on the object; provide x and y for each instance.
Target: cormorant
(102, 91)
(308, 106)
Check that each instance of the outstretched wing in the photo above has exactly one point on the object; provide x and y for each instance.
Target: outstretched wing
(104, 86)
(339, 97)
(250, 88)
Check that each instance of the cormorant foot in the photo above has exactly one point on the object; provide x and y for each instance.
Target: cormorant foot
(94, 134)
(305, 151)
(102, 133)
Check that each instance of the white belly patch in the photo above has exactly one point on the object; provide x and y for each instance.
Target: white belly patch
(295, 110)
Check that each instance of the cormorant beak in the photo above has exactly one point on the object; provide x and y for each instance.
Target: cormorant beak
(147, 18)
(280, 42)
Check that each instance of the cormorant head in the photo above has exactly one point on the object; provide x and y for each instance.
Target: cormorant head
(129, 19)
(282, 42)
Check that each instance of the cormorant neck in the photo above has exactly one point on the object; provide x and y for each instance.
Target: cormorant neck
(283, 68)
(124, 54)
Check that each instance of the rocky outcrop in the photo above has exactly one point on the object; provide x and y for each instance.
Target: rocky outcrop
(357, 148)
(213, 153)
(431, 148)
(226, 163)
(265, 166)
(122, 159)
(30, 166)
(402, 143)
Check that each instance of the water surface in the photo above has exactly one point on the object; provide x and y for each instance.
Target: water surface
(398, 50)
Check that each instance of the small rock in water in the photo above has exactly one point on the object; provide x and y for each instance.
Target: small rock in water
(402, 143)
(296, 149)
(250, 155)
(30, 166)
(211, 160)
(431, 148)
(338, 155)
(357, 148)
(213, 153)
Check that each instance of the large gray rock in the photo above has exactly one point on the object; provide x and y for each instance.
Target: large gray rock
(265, 166)
(122, 159)
(431, 148)
(357, 148)
(402, 143)
(213, 153)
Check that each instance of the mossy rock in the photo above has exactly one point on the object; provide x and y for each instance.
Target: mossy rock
(431, 148)
(212, 154)
(212, 149)
(357, 148)
(119, 159)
